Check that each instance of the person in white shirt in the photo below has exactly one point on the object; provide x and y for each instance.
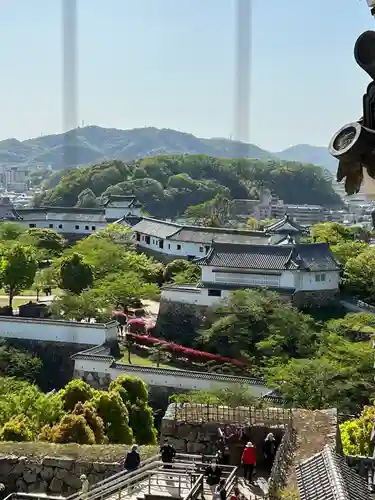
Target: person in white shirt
(84, 486)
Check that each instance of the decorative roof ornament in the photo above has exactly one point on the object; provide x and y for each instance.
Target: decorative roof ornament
(354, 144)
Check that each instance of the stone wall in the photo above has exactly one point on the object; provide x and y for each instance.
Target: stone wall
(51, 475)
(177, 321)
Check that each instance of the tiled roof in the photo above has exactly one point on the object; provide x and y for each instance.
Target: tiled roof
(312, 257)
(76, 215)
(65, 210)
(285, 221)
(316, 257)
(197, 234)
(154, 227)
(206, 235)
(247, 256)
(129, 199)
(326, 476)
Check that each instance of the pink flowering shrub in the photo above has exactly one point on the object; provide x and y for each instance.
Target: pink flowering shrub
(186, 352)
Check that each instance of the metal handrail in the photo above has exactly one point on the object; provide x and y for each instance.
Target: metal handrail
(231, 482)
(35, 496)
(145, 466)
(196, 489)
(114, 477)
(129, 481)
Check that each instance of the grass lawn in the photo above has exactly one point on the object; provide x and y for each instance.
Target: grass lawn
(141, 361)
(16, 302)
(94, 453)
(55, 291)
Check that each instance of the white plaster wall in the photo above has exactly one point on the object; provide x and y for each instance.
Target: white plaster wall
(164, 377)
(193, 296)
(67, 226)
(309, 281)
(57, 331)
(170, 247)
(198, 296)
(286, 279)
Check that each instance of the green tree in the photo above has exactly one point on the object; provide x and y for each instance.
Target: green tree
(86, 306)
(182, 271)
(87, 199)
(76, 391)
(72, 428)
(22, 398)
(38, 283)
(359, 275)
(18, 363)
(141, 421)
(134, 395)
(115, 233)
(233, 396)
(75, 274)
(177, 266)
(93, 421)
(17, 269)
(340, 376)
(10, 231)
(115, 416)
(48, 242)
(214, 213)
(345, 250)
(48, 277)
(331, 233)
(16, 429)
(259, 326)
(353, 326)
(122, 289)
(309, 383)
(356, 433)
(167, 185)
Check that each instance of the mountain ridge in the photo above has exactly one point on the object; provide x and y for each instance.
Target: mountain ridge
(93, 144)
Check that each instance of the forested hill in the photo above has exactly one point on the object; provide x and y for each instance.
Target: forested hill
(167, 185)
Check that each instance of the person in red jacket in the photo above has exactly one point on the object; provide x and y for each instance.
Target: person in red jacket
(249, 460)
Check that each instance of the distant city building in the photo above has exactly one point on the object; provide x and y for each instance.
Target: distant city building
(269, 207)
(15, 179)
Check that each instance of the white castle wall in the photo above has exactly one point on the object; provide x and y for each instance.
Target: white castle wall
(57, 331)
(104, 365)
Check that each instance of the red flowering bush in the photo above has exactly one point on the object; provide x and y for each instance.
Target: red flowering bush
(180, 350)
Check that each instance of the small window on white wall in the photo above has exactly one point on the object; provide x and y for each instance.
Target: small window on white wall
(320, 277)
(178, 247)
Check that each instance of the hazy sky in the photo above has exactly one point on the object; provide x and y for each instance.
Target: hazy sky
(170, 63)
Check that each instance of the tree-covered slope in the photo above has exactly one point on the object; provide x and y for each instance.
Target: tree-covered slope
(167, 185)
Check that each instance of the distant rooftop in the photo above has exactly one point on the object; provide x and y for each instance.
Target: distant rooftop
(197, 234)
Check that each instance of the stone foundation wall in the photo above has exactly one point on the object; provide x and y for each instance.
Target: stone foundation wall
(95, 379)
(179, 322)
(203, 438)
(51, 475)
